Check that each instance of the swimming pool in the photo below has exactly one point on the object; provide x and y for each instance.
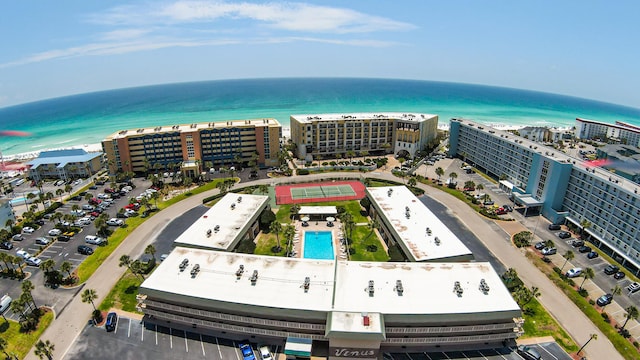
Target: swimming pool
(318, 245)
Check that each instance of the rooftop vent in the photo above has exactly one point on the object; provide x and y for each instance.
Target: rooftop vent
(437, 241)
(370, 289)
(216, 228)
(399, 287)
(307, 283)
(209, 233)
(233, 206)
(183, 264)
(239, 199)
(428, 231)
(195, 270)
(484, 287)
(239, 271)
(457, 288)
(254, 277)
(389, 192)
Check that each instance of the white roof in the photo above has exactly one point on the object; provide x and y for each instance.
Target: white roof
(427, 287)
(318, 210)
(309, 118)
(232, 214)
(395, 202)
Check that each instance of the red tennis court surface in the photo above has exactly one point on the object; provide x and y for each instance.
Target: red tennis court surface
(319, 192)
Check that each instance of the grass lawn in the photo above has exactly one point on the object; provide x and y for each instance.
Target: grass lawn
(362, 238)
(123, 294)
(352, 206)
(266, 241)
(19, 343)
(537, 322)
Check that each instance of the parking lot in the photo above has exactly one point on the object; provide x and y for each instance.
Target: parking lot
(548, 350)
(135, 339)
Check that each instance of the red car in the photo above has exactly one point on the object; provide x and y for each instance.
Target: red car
(109, 190)
(95, 214)
(135, 206)
(501, 211)
(94, 201)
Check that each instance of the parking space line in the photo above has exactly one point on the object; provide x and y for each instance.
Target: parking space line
(202, 344)
(547, 351)
(129, 331)
(445, 355)
(116, 327)
(481, 354)
(218, 345)
(171, 337)
(186, 346)
(156, 334)
(463, 354)
(142, 333)
(409, 356)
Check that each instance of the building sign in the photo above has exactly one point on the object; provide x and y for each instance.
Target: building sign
(339, 352)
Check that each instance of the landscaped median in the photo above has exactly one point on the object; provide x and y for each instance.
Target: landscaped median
(19, 343)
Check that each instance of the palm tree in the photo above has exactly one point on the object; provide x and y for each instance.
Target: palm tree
(44, 348)
(534, 293)
(439, 172)
(125, 260)
(584, 225)
(88, 295)
(18, 307)
(549, 243)
(27, 287)
(412, 181)
(569, 255)
(591, 337)
(350, 154)
(264, 189)
(66, 266)
(588, 274)
(374, 224)
(4, 344)
(151, 250)
(615, 291)
(452, 177)
(68, 188)
(276, 227)
(632, 313)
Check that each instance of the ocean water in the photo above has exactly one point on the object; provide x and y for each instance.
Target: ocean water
(89, 118)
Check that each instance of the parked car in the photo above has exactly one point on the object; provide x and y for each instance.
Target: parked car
(507, 207)
(554, 227)
(584, 249)
(88, 207)
(247, 351)
(611, 269)
(577, 243)
(633, 287)
(592, 255)
(23, 254)
(619, 275)
(501, 211)
(85, 250)
(28, 230)
(488, 203)
(564, 234)
(42, 241)
(121, 215)
(112, 321)
(549, 251)
(94, 240)
(33, 261)
(115, 222)
(6, 245)
(528, 353)
(54, 232)
(40, 222)
(17, 237)
(93, 187)
(575, 272)
(540, 245)
(76, 198)
(265, 353)
(64, 238)
(604, 300)
(78, 213)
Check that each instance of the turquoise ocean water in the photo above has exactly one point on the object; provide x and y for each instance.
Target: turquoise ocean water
(89, 118)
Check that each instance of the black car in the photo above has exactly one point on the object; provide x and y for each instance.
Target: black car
(564, 234)
(577, 243)
(6, 245)
(584, 249)
(121, 215)
(604, 300)
(539, 245)
(93, 187)
(554, 227)
(611, 269)
(99, 182)
(40, 222)
(76, 198)
(64, 238)
(112, 320)
(85, 250)
(619, 275)
(592, 255)
(508, 208)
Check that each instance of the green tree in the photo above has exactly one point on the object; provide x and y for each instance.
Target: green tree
(27, 287)
(125, 260)
(569, 255)
(263, 189)
(88, 295)
(276, 227)
(66, 266)
(584, 225)
(412, 181)
(151, 250)
(615, 291)
(4, 344)
(44, 349)
(632, 313)
(591, 337)
(533, 293)
(439, 172)
(587, 274)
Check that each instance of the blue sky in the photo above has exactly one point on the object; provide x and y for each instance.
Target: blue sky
(54, 48)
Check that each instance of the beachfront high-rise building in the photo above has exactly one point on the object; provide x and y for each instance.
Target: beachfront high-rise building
(620, 132)
(325, 135)
(194, 146)
(560, 187)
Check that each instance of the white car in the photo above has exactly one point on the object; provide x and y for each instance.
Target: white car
(103, 196)
(115, 222)
(28, 230)
(55, 232)
(78, 213)
(88, 207)
(575, 272)
(93, 240)
(33, 261)
(23, 254)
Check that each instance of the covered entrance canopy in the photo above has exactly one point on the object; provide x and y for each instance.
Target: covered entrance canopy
(506, 186)
(298, 347)
(527, 201)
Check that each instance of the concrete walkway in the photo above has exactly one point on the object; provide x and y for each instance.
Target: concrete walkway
(69, 324)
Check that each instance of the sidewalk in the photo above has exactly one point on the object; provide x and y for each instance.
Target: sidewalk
(68, 326)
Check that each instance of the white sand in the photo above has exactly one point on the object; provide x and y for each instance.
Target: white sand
(34, 154)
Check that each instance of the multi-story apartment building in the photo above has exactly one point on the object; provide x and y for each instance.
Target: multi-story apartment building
(323, 136)
(64, 164)
(200, 144)
(619, 132)
(562, 188)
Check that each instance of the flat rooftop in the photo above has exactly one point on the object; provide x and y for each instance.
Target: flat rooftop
(224, 223)
(309, 118)
(427, 288)
(420, 231)
(194, 127)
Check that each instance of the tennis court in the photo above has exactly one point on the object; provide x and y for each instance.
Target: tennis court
(318, 192)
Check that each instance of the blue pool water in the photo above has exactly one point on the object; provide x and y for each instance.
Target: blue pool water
(318, 245)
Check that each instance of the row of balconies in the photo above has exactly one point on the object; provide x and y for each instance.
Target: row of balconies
(402, 330)
(450, 340)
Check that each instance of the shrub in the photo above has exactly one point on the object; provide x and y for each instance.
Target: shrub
(583, 292)
(605, 316)
(556, 269)
(591, 302)
(636, 344)
(520, 239)
(303, 172)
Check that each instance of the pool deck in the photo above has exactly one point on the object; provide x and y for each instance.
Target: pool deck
(336, 235)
